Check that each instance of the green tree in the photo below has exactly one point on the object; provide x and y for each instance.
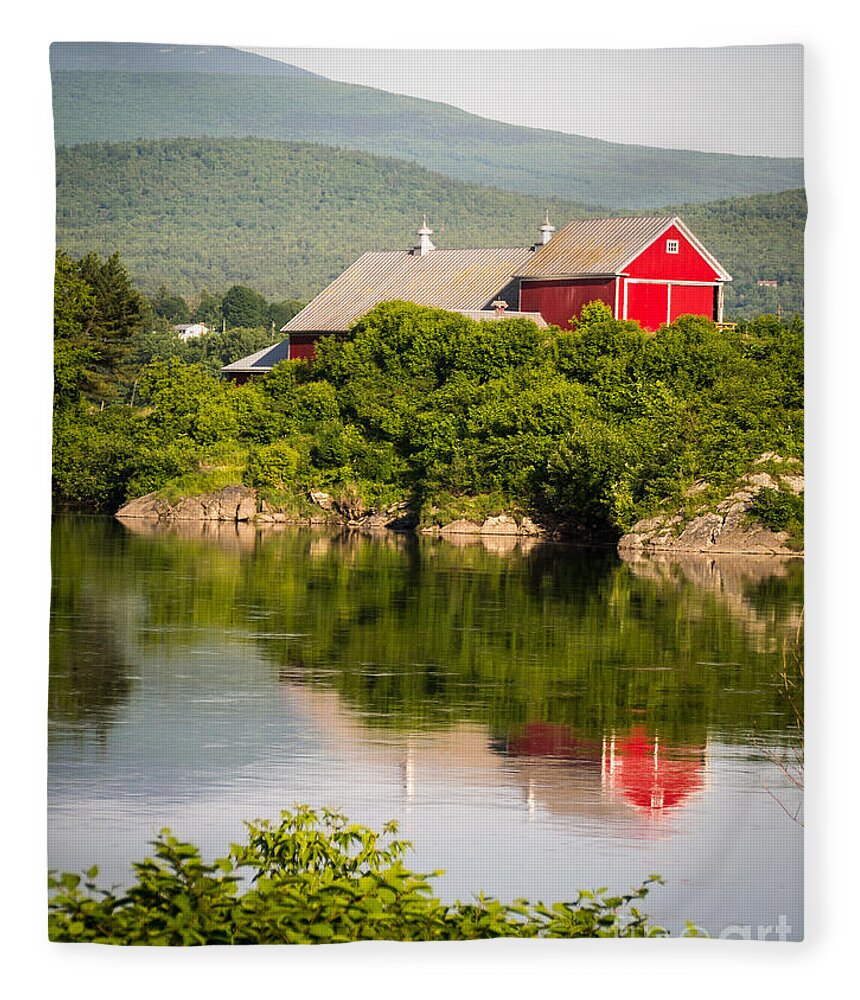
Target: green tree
(208, 310)
(119, 310)
(280, 313)
(242, 306)
(101, 311)
(173, 308)
(74, 299)
(188, 401)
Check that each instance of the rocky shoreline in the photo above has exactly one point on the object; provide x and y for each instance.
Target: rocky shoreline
(718, 528)
(724, 527)
(241, 503)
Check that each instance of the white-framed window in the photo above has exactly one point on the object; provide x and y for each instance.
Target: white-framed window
(672, 246)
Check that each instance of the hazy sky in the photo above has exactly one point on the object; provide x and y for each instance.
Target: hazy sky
(741, 99)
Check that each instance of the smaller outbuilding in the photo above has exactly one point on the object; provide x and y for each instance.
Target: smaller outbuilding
(188, 331)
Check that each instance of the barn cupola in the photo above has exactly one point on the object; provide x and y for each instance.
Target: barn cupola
(424, 244)
(545, 231)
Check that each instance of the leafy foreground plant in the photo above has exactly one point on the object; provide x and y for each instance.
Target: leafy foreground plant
(316, 879)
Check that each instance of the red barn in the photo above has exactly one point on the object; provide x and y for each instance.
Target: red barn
(649, 269)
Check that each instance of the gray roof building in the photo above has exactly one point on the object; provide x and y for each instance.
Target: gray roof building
(444, 279)
(260, 362)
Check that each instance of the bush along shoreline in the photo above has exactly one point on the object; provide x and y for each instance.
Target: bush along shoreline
(436, 416)
(314, 878)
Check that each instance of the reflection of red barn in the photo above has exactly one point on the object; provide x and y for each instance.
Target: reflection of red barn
(547, 739)
(651, 776)
(651, 269)
(643, 771)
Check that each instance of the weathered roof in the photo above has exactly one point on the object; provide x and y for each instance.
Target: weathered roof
(445, 279)
(262, 361)
(594, 246)
(604, 246)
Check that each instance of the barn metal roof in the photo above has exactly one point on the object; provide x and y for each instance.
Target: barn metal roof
(604, 246)
(444, 279)
(261, 361)
(594, 246)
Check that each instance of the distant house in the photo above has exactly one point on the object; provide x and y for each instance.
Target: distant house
(650, 269)
(187, 331)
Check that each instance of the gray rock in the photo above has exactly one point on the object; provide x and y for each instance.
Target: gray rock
(501, 524)
(322, 499)
(150, 507)
(725, 528)
(761, 479)
(461, 527)
(232, 503)
(531, 529)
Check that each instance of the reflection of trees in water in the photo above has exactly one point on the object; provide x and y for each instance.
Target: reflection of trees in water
(88, 679)
(419, 633)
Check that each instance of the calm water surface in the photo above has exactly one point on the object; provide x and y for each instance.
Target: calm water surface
(538, 718)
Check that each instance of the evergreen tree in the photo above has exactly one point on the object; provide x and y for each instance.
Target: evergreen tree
(119, 309)
(98, 311)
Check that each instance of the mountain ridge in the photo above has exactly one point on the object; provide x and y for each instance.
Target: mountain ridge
(155, 57)
(102, 106)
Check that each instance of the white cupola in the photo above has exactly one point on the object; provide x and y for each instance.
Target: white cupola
(546, 231)
(424, 244)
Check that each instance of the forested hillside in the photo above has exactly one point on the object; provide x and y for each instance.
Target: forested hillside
(149, 57)
(286, 218)
(189, 213)
(110, 106)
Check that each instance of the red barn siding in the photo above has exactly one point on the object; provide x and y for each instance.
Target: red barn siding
(695, 299)
(302, 345)
(686, 265)
(559, 301)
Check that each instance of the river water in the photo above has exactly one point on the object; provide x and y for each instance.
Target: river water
(538, 718)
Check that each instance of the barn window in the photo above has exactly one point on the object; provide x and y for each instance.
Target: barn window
(671, 246)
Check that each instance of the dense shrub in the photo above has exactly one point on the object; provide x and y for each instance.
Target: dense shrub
(780, 510)
(273, 465)
(775, 509)
(316, 879)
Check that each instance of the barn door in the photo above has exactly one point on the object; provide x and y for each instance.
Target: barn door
(695, 299)
(648, 304)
